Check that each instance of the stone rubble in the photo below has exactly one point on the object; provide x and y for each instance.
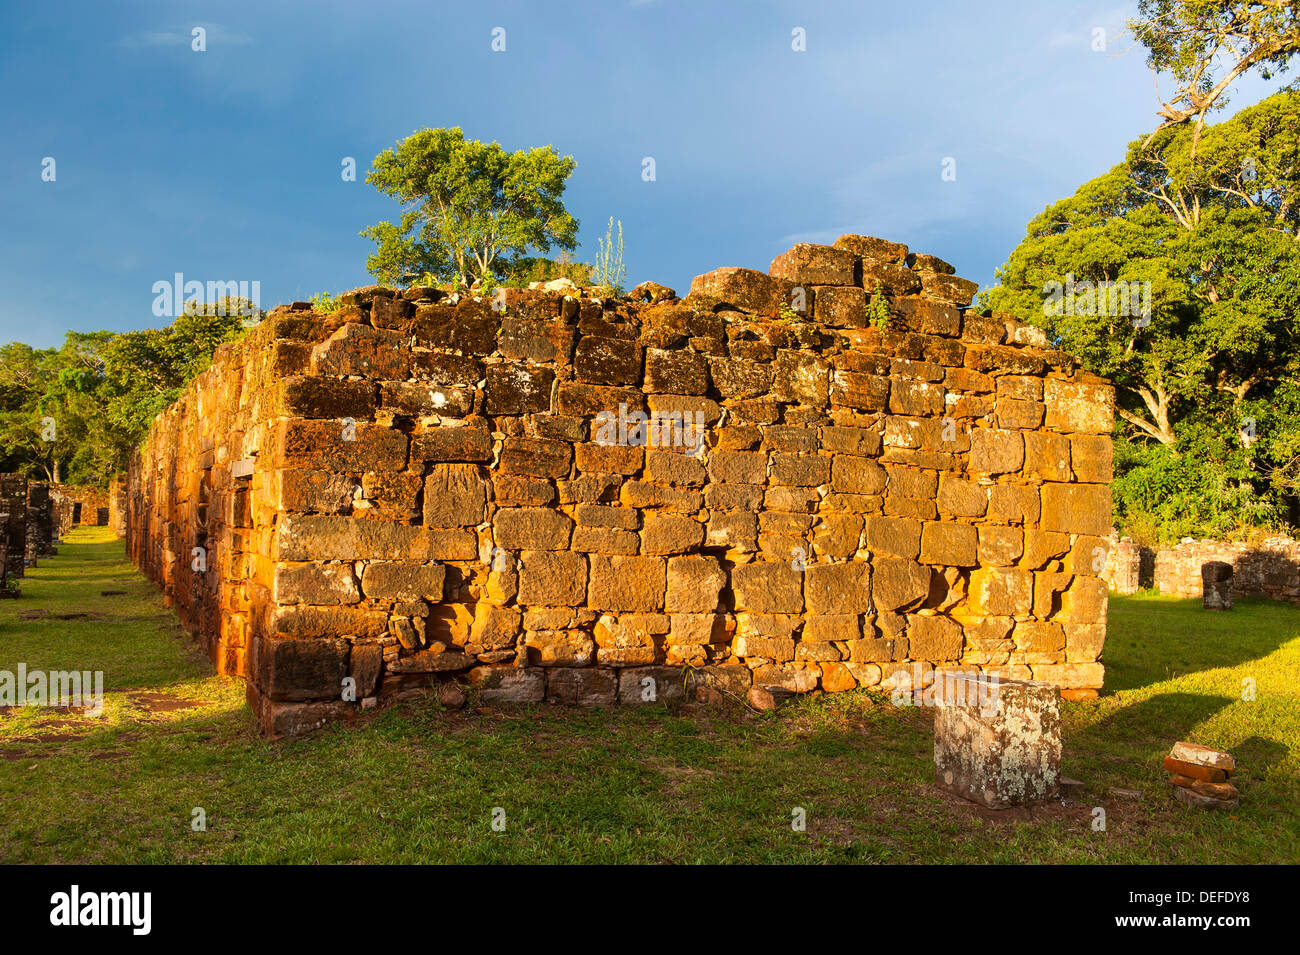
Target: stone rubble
(1199, 776)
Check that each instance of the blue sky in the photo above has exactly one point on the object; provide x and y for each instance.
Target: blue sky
(225, 164)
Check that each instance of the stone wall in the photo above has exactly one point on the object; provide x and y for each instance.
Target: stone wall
(1269, 568)
(42, 522)
(117, 505)
(81, 504)
(13, 523)
(819, 477)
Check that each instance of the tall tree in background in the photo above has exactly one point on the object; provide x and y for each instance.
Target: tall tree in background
(467, 207)
(1207, 385)
(100, 390)
(1205, 45)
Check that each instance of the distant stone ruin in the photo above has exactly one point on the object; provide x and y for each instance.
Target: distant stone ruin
(829, 476)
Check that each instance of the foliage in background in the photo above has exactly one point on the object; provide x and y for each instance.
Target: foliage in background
(526, 269)
(1213, 227)
(468, 207)
(1206, 44)
(102, 390)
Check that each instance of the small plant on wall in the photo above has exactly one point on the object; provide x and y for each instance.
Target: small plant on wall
(877, 308)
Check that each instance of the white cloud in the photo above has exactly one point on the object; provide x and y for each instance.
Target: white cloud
(216, 33)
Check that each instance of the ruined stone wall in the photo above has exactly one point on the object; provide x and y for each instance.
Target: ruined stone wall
(13, 523)
(117, 504)
(844, 477)
(79, 504)
(42, 522)
(1268, 568)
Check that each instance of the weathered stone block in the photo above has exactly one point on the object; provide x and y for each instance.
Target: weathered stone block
(581, 687)
(994, 451)
(531, 528)
(997, 743)
(1079, 406)
(694, 584)
(768, 587)
(630, 584)
(313, 583)
(1076, 508)
(838, 588)
(389, 580)
(310, 669)
(893, 537)
(948, 544)
(642, 686)
(509, 685)
(550, 579)
(455, 495)
(746, 289)
(899, 584)
(516, 388)
(339, 446)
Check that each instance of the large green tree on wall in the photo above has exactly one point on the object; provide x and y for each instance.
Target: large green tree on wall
(467, 207)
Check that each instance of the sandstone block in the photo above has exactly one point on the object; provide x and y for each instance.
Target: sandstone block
(400, 580)
(581, 686)
(547, 578)
(838, 588)
(1076, 508)
(1079, 406)
(455, 495)
(694, 584)
(948, 544)
(509, 685)
(768, 587)
(626, 584)
(531, 528)
(997, 743)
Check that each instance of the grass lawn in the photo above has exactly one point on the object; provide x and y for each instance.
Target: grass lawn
(417, 784)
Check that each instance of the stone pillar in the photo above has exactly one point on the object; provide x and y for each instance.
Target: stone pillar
(1123, 566)
(1216, 585)
(13, 505)
(997, 742)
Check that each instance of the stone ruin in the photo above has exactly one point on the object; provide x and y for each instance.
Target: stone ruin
(832, 475)
(90, 506)
(29, 528)
(42, 522)
(13, 530)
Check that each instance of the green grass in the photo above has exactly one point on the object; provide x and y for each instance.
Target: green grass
(417, 784)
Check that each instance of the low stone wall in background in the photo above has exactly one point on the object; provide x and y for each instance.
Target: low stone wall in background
(82, 504)
(1269, 568)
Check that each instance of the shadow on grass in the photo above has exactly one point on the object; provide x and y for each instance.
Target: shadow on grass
(1152, 639)
(1146, 729)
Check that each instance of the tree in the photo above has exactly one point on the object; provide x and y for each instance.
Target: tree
(100, 391)
(467, 206)
(1206, 44)
(1213, 227)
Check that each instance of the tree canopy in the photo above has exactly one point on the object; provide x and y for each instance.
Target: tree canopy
(1206, 44)
(1208, 385)
(468, 207)
(73, 413)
